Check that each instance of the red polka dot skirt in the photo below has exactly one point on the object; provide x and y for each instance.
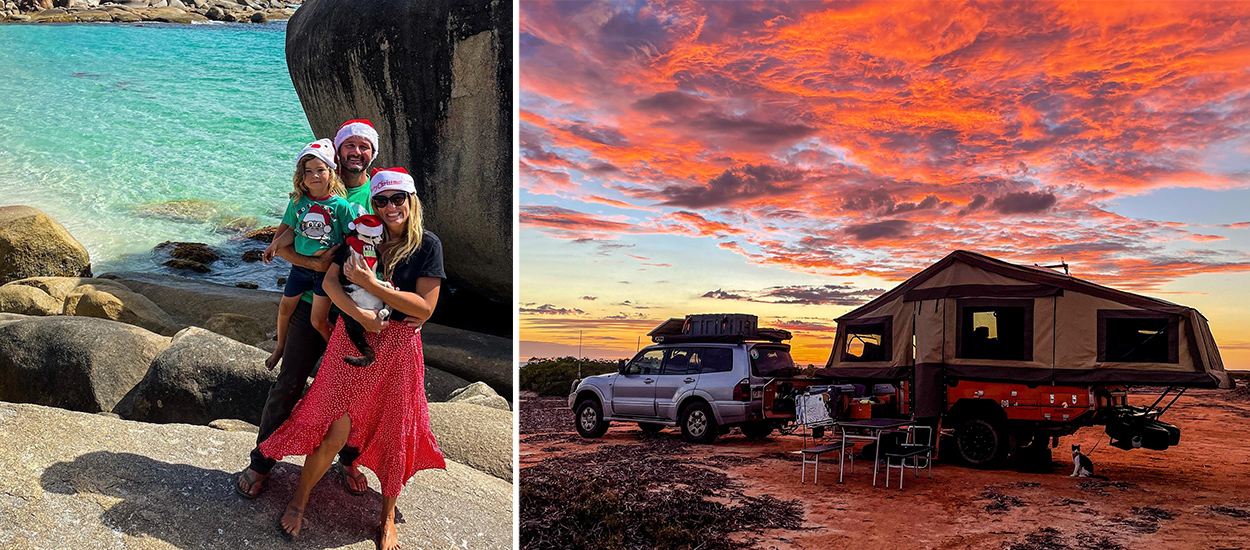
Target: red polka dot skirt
(386, 403)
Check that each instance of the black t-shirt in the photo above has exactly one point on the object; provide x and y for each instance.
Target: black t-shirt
(426, 261)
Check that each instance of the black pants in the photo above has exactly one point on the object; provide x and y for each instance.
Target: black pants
(304, 347)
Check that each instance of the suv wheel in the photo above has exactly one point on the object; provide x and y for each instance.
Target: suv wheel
(588, 416)
(649, 428)
(756, 430)
(698, 425)
(981, 443)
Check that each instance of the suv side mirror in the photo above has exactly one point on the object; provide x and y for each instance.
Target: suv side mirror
(620, 366)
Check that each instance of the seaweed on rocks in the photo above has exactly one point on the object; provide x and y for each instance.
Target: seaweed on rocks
(644, 495)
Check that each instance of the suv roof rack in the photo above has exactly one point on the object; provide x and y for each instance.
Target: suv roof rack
(677, 330)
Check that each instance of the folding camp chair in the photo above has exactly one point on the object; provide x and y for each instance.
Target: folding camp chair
(909, 455)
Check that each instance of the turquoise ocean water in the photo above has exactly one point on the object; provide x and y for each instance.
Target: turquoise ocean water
(103, 125)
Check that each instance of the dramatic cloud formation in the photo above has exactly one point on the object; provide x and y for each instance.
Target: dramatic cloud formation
(866, 140)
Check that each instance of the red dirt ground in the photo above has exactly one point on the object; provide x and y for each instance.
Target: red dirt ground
(1194, 495)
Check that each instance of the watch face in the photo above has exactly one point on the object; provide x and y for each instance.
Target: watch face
(755, 354)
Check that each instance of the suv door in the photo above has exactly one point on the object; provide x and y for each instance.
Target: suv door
(717, 373)
(633, 392)
(680, 374)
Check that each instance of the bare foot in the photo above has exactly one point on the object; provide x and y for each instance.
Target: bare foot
(292, 521)
(272, 360)
(389, 538)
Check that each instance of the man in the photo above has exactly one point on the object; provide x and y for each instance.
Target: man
(355, 145)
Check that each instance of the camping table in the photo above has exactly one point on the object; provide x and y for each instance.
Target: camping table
(875, 427)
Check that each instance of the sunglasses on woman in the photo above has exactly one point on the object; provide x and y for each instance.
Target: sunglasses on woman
(397, 199)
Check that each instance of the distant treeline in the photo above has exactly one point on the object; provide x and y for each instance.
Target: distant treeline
(556, 376)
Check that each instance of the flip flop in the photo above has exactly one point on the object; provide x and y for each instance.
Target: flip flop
(345, 475)
(250, 482)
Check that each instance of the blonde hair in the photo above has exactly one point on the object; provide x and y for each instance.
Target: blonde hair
(403, 248)
(301, 189)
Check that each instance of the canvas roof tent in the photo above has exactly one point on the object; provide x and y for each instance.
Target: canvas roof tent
(978, 318)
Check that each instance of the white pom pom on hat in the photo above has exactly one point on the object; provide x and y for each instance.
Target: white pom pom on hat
(391, 179)
(357, 127)
(322, 149)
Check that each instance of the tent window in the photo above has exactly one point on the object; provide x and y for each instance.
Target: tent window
(867, 341)
(1136, 337)
(997, 332)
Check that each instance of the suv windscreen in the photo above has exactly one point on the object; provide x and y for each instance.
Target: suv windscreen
(647, 363)
(772, 362)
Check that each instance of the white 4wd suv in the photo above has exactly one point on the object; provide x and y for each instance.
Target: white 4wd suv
(704, 387)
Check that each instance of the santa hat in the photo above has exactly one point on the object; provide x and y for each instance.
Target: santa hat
(322, 149)
(391, 179)
(358, 127)
(368, 225)
(318, 211)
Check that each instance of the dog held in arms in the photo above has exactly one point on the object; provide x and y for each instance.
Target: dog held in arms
(366, 235)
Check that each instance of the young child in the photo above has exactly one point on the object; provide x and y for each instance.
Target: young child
(316, 219)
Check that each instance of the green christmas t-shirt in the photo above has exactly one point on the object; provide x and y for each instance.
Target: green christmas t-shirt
(319, 223)
(359, 198)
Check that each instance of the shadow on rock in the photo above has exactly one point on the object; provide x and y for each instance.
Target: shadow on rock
(191, 507)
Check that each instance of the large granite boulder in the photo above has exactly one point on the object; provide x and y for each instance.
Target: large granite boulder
(237, 327)
(78, 480)
(27, 300)
(435, 78)
(203, 376)
(478, 436)
(32, 244)
(61, 287)
(470, 355)
(108, 302)
(192, 302)
(77, 363)
(439, 385)
(478, 393)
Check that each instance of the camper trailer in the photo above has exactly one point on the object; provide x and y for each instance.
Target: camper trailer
(1011, 356)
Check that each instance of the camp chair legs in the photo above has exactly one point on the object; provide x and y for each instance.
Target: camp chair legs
(811, 455)
(914, 455)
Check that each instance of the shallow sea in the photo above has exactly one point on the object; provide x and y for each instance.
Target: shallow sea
(130, 135)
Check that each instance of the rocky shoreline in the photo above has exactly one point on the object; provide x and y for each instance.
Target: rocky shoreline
(166, 349)
(135, 11)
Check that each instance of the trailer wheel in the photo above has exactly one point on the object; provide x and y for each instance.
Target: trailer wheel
(589, 419)
(698, 425)
(756, 430)
(650, 428)
(981, 443)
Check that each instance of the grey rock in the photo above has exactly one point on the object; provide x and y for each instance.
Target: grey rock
(77, 363)
(27, 300)
(61, 287)
(440, 384)
(470, 355)
(214, 13)
(192, 301)
(203, 376)
(6, 318)
(480, 437)
(237, 327)
(32, 244)
(232, 425)
(107, 302)
(177, 4)
(259, 17)
(440, 95)
(478, 393)
(108, 483)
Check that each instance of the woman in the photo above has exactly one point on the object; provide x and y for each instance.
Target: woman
(381, 408)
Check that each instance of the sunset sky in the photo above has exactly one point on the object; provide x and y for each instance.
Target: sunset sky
(795, 159)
